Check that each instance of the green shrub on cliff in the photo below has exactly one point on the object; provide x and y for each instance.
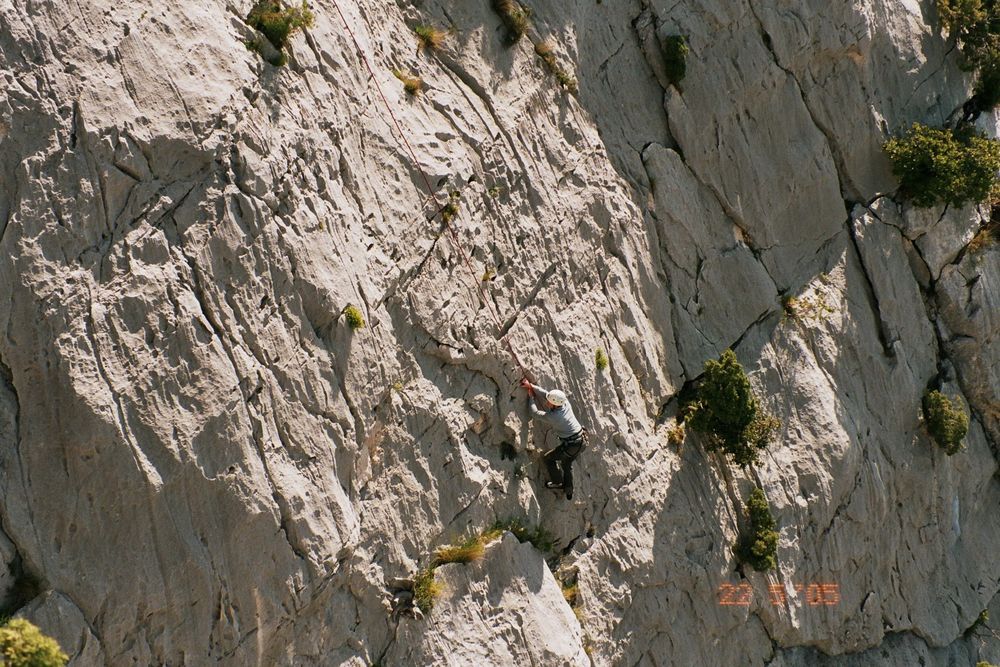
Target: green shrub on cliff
(973, 24)
(946, 421)
(944, 166)
(758, 546)
(675, 50)
(277, 22)
(726, 410)
(353, 316)
(22, 644)
(600, 359)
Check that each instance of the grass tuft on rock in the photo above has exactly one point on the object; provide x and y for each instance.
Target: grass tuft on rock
(426, 590)
(675, 435)
(600, 359)
(988, 234)
(450, 209)
(411, 84)
(353, 317)
(727, 411)
(515, 18)
(545, 50)
(278, 23)
(429, 37)
(22, 644)
(946, 421)
(758, 546)
(470, 549)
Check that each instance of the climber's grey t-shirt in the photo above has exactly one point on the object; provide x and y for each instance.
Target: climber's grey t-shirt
(561, 419)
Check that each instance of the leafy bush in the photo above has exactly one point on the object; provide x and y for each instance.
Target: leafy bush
(429, 37)
(973, 23)
(758, 546)
(675, 50)
(514, 16)
(278, 23)
(986, 94)
(411, 84)
(425, 590)
(600, 359)
(946, 421)
(944, 166)
(22, 644)
(354, 317)
(961, 16)
(726, 409)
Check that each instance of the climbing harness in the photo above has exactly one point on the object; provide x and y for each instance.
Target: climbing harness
(445, 219)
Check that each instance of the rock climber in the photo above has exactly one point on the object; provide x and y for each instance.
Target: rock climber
(553, 407)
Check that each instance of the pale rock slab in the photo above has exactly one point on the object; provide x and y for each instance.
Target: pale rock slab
(509, 601)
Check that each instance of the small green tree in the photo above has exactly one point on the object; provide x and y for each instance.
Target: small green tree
(758, 546)
(946, 421)
(959, 17)
(600, 359)
(726, 409)
(22, 644)
(944, 166)
(974, 25)
(675, 51)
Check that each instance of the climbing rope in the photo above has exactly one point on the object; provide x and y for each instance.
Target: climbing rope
(433, 196)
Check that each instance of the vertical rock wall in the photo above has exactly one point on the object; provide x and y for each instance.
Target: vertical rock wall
(202, 462)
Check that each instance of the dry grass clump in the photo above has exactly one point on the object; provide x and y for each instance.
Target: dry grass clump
(675, 436)
(988, 234)
(515, 18)
(411, 84)
(425, 590)
(429, 37)
(472, 548)
(546, 51)
(450, 210)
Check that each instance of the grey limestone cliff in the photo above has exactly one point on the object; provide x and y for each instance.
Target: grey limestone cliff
(202, 463)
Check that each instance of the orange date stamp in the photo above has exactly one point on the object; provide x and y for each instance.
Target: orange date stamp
(814, 595)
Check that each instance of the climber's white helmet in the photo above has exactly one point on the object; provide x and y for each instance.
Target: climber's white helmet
(556, 397)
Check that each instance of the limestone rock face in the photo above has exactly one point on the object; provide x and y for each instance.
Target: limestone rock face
(509, 602)
(202, 462)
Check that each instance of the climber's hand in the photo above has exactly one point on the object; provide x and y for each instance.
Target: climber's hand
(527, 385)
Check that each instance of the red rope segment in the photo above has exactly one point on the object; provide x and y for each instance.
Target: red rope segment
(454, 236)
